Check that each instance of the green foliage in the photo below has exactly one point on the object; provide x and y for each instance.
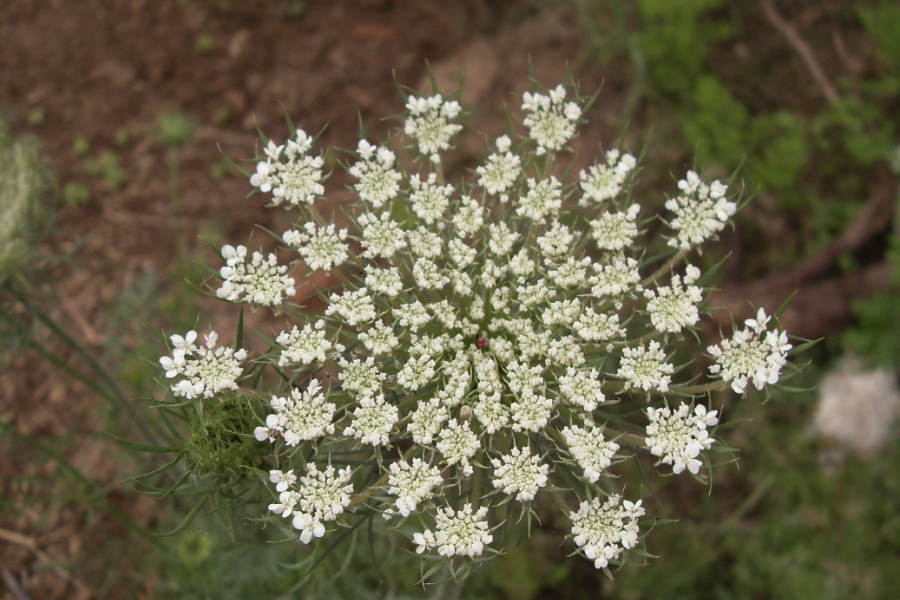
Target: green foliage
(76, 194)
(206, 43)
(222, 442)
(108, 168)
(175, 129)
(882, 22)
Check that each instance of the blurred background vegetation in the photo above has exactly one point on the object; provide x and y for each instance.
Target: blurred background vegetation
(110, 176)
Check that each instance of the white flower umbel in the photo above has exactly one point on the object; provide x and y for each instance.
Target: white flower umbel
(464, 320)
(381, 236)
(322, 497)
(429, 200)
(674, 307)
(501, 171)
(457, 533)
(603, 530)
(289, 173)
(615, 231)
(700, 213)
(304, 416)
(412, 484)
(204, 371)
(544, 199)
(360, 378)
(551, 120)
(353, 307)
(379, 182)
(645, 367)
(321, 247)
(373, 421)
(677, 438)
(429, 124)
(520, 473)
(590, 449)
(581, 388)
(258, 280)
(754, 355)
(306, 346)
(604, 182)
(458, 443)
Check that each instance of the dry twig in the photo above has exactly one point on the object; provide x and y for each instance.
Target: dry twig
(802, 48)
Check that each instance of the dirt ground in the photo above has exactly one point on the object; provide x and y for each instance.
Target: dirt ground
(94, 69)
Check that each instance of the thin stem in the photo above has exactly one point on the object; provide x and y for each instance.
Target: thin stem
(665, 268)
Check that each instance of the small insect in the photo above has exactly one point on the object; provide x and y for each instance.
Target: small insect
(274, 434)
(464, 413)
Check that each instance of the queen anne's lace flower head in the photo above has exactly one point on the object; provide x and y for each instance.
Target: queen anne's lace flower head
(257, 280)
(602, 530)
(204, 371)
(429, 124)
(458, 533)
(677, 438)
(289, 173)
(700, 213)
(551, 120)
(480, 341)
(754, 355)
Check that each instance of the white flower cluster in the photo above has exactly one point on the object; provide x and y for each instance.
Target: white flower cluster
(412, 484)
(677, 438)
(520, 473)
(603, 530)
(593, 452)
(321, 247)
(322, 497)
(483, 333)
(674, 307)
(551, 120)
(302, 417)
(289, 173)
(379, 182)
(259, 281)
(204, 370)
(604, 182)
(754, 355)
(700, 213)
(429, 124)
(459, 533)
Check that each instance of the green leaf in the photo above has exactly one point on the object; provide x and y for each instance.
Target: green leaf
(239, 338)
(145, 447)
(187, 520)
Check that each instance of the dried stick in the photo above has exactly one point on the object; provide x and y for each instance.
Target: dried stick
(802, 48)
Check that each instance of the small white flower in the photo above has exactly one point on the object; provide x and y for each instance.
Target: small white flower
(429, 125)
(501, 171)
(520, 473)
(601, 531)
(700, 213)
(753, 355)
(258, 280)
(593, 452)
(645, 367)
(321, 247)
(412, 484)
(677, 438)
(604, 182)
(615, 231)
(303, 416)
(361, 378)
(378, 183)
(354, 307)
(460, 533)
(551, 122)
(544, 199)
(380, 235)
(581, 388)
(204, 371)
(373, 421)
(429, 200)
(457, 443)
(282, 480)
(304, 346)
(674, 307)
(289, 173)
